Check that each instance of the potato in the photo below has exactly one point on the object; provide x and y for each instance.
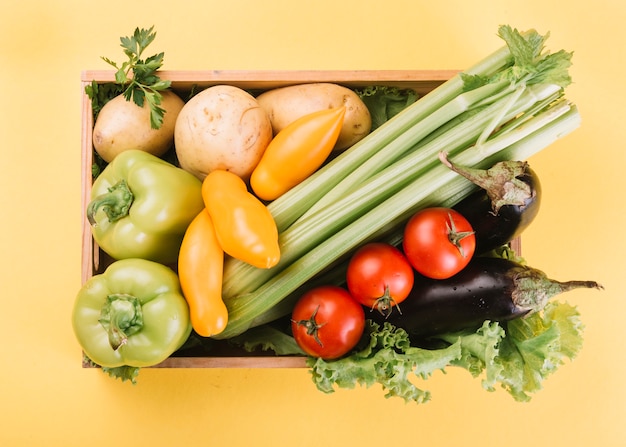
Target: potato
(222, 127)
(123, 125)
(286, 104)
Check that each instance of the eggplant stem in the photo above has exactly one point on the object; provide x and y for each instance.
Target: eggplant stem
(533, 289)
(571, 285)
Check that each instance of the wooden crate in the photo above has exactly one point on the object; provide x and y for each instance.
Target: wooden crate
(94, 261)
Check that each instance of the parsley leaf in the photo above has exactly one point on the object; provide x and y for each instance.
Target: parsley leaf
(100, 94)
(139, 76)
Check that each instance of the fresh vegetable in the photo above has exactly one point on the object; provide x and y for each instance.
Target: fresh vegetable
(438, 242)
(244, 227)
(296, 152)
(506, 204)
(268, 338)
(101, 93)
(284, 105)
(143, 86)
(315, 243)
(489, 288)
(327, 322)
(141, 206)
(518, 355)
(200, 269)
(385, 101)
(509, 106)
(133, 314)
(379, 276)
(143, 112)
(512, 84)
(122, 125)
(222, 127)
(510, 110)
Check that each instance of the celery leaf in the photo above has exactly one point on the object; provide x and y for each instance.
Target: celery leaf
(530, 64)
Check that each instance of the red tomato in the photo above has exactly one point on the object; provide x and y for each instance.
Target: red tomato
(379, 276)
(438, 242)
(327, 322)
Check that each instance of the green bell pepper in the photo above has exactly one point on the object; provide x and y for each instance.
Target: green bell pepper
(141, 206)
(133, 314)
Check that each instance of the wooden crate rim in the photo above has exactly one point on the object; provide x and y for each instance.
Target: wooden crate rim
(261, 76)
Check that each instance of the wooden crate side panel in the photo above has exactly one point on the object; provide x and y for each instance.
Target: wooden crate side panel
(233, 362)
(89, 250)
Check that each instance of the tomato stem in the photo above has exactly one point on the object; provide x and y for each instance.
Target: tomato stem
(454, 236)
(312, 327)
(385, 304)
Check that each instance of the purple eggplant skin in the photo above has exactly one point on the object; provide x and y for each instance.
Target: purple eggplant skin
(494, 229)
(488, 288)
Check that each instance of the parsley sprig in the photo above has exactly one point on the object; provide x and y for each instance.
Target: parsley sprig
(139, 75)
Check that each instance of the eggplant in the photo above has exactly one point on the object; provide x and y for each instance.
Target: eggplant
(488, 288)
(505, 205)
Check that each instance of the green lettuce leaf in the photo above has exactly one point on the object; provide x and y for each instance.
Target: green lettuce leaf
(518, 356)
(267, 338)
(123, 372)
(479, 352)
(536, 346)
(388, 359)
(384, 102)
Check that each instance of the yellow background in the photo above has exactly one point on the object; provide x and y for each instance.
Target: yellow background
(48, 399)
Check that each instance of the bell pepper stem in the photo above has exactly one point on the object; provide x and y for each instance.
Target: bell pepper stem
(121, 317)
(115, 203)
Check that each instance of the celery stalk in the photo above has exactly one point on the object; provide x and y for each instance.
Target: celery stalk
(291, 205)
(509, 104)
(435, 187)
(520, 62)
(311, 229)
(495, 90)
(404, 142)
